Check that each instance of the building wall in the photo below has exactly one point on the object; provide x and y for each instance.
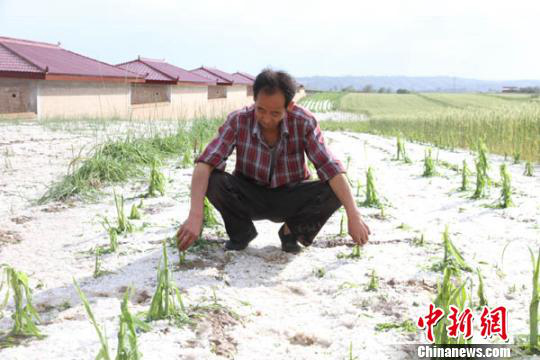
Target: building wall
(186, 102)
(73, 99)
(189, 101)
(236, 99)
(237, 93)
(18, 96)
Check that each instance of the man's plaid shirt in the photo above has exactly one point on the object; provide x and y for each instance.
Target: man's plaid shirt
(299, 133)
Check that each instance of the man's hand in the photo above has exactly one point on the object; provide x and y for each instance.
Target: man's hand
(191, 228)
(188, 232)
(358, 229)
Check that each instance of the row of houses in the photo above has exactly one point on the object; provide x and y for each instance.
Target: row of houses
(40, 80)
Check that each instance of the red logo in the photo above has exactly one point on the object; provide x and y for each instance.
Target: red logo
(492, 322)
(460, 323)
(435, 314)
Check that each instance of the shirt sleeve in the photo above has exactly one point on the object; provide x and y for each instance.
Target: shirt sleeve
(219, 149)
(319, 154)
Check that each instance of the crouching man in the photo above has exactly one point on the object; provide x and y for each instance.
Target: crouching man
(270, 180)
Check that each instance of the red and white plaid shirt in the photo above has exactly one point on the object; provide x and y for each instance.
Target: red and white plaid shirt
(299, 133)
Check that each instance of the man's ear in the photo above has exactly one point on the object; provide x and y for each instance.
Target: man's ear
(290, 106)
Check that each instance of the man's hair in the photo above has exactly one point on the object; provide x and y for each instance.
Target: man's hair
(270, 81)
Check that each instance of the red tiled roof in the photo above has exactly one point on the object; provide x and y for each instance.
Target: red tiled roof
(143, 70)
(221, 77)
(246, 75)
(159, 70)
(9, 61)
(240, 78)
(52, 59)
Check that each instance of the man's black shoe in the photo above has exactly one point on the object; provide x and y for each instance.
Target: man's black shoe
(240, 245)
(229, 245)
(288, 242)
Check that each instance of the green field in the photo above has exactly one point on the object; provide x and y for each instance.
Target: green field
(322, 102)
(406, 105)
(508, 124)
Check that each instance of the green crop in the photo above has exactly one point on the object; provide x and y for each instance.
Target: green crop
(528, 169)
(406, 325)
(372, 199)
(533, 308)
(167, 301)
(157, 181)
(517, 156)
(127, 333)
(506, 122)
(322, 102)
(452, 257)
(429, 164)
(119, 160)
(481, 182)
(348, 163)
(113, 239)
(187, 159)
(25, 316)
(401, 152)
(123, 224)
(97, 265)
(127, 348)
(209, 218)
(450, 292)
(342, 231)
(356, 253)
(134, 213)
(419, 241)
(481, 296)
(506, 190)
(465, 172)
(103, 353)
(373, 282)
(351, 356)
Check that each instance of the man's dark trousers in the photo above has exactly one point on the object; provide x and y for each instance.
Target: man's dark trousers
(304, 207)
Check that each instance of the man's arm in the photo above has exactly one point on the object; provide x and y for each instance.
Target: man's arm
(215, 154)
(331, 170)
(358, 229)
(191, 228)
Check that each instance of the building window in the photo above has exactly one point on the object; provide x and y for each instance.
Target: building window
(217, 92)
(149, 94)
(250, 90)
(17, 97)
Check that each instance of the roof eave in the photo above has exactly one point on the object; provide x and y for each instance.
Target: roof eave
(93, 78)
(194, 83)
(22, 75)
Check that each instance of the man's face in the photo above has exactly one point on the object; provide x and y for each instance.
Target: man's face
(269, 109)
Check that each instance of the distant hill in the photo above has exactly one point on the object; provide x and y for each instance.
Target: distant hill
(425, 84)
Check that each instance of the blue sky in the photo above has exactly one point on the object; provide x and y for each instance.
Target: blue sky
(480, 39)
